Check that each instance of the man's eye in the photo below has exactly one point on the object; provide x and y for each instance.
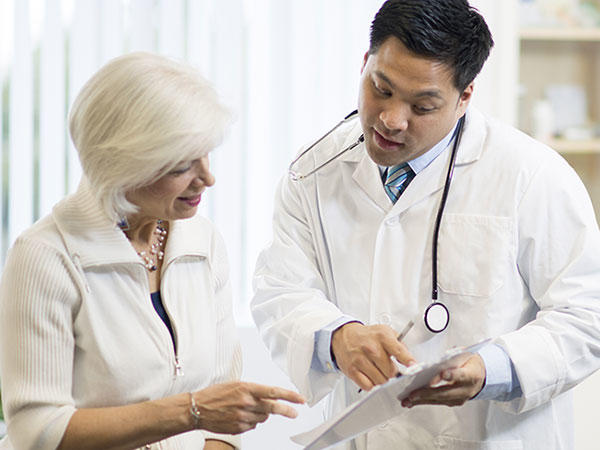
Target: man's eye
(424, 109)
(381, 90)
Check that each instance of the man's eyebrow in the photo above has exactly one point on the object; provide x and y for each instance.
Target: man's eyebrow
(431, 93)
(427, 93)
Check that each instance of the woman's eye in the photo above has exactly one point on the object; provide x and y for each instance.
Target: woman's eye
(180, 171)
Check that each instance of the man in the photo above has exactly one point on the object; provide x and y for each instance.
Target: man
(518, 252)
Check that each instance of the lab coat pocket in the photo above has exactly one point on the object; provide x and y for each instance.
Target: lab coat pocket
(474, 253)
(452, 443)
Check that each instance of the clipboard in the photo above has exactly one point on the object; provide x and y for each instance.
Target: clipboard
(382, 403)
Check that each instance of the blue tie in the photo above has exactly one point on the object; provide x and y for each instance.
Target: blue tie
(397, 178)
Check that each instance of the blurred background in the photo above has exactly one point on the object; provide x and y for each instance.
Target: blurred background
(290, 70)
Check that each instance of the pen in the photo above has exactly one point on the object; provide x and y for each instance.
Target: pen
(400, 337)
(405, 330)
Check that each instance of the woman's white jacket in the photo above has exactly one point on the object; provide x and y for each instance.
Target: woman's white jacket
(519, 262)
(78, 329)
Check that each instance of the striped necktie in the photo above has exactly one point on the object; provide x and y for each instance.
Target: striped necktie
(397, 178)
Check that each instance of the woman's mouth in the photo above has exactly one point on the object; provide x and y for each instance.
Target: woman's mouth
(191, 201)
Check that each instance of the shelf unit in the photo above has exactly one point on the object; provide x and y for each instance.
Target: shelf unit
(564, 55)
(571, 147)
(560, 34)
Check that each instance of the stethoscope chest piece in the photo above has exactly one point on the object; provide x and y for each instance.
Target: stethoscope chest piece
(436, 317)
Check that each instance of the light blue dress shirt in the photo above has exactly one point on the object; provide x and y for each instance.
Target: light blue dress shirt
(501, 381)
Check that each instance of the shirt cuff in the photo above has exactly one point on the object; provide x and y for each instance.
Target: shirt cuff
(501, 381)
(322, 358)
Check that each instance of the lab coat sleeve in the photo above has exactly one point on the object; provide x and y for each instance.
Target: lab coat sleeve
(38, 300)
(559, 260)
(291, 301)
(228, 365)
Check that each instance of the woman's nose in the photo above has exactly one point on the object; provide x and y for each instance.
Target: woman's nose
(208, 178)
(203, 175)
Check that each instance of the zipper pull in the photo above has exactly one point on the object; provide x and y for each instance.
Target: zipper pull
(178, 368)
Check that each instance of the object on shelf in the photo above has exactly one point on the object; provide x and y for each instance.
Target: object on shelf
(543, 120)
(559, 13)
(569, 106)
(582, 133)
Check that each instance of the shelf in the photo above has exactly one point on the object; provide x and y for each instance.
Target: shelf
(575, 146)
(588, 34)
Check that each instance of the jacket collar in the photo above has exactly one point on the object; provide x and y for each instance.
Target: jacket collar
(91, 237)
(430, 179)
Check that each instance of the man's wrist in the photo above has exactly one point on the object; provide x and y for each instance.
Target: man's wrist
(323, 356)
(331, 352)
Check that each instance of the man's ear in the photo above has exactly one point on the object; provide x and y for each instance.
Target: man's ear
(465, 98)
(366, 57)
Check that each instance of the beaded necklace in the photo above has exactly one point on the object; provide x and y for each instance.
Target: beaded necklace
(156, 250)
(156, 253)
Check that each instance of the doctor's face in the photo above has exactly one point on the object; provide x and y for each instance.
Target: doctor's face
(407, 103)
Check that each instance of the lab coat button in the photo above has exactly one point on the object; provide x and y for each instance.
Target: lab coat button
(383, 426)
(385, 319)
(329, 366)
(393, 221)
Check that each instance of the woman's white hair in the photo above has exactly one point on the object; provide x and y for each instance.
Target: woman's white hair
(136, 119)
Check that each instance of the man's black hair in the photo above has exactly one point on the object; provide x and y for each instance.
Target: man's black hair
(449, 31)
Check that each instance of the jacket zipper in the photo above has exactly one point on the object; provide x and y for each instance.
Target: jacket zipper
(178, 364)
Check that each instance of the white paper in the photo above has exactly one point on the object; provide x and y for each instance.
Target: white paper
(382, 403)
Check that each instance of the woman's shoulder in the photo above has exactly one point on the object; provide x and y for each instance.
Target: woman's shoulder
(42, 234)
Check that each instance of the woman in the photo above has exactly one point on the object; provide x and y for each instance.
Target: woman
(115, 310)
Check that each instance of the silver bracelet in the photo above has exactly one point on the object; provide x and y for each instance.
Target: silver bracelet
(194, 411)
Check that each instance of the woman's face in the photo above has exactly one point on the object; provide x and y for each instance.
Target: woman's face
(177, 194)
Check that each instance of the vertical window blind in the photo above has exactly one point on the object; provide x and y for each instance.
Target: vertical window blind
(287, 69)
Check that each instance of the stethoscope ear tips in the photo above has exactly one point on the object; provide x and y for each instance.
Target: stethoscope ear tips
(436, 317)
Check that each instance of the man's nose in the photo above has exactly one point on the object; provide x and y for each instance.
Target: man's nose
(396, 118)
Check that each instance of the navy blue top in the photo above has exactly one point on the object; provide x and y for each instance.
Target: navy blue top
(160, 309)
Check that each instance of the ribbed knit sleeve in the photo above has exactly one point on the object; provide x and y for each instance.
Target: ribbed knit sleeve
(38, 299)
(229, 358)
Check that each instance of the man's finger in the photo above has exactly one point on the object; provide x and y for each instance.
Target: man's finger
(372, 370)
(399, 351)
(362, 381)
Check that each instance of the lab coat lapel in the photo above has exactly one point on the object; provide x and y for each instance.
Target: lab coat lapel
(425, 183)
(432, 179)
(368, 178)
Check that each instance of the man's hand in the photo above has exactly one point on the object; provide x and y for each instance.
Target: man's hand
(452, 387)
(363, 353)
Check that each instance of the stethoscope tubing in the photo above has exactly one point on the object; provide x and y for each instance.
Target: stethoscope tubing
(295, 176)
(434, 305)
(440, 213)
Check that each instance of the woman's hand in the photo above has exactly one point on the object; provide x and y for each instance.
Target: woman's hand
(233, 408)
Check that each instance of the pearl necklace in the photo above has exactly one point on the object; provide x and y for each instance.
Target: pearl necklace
(156, 253)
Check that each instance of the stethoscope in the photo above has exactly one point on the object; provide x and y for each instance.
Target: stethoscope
(436, 316)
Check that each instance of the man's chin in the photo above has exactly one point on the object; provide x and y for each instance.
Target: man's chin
(386, 159)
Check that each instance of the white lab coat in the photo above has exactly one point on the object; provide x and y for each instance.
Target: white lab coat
(519, 261)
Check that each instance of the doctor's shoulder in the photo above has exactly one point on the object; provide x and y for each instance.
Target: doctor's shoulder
(516, 150)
